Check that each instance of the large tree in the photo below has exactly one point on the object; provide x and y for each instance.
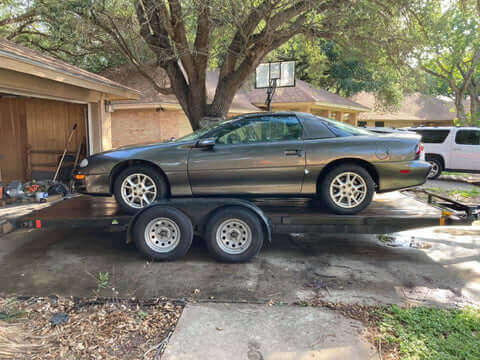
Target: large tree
(450, 52)
(184, 36)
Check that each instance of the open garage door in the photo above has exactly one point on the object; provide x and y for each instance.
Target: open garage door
(34, 133)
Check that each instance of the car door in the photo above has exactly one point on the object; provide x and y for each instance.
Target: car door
(465, 154)
(256, 155)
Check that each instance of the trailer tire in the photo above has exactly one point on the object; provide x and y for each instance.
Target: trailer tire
(162, 233)
(234, 234)
(151, 178)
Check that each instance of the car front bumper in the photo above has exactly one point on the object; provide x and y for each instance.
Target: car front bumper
(95, 184)
(402, 175)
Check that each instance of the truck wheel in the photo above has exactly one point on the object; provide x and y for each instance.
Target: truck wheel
(137, 187)
(163, 233)
(234, 235)
(436, 169)
(347, 189)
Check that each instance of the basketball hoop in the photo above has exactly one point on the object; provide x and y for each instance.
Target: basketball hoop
(272, 75)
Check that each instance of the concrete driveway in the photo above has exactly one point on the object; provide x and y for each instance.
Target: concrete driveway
(348, 268)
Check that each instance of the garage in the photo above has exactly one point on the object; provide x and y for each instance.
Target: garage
(41, 100)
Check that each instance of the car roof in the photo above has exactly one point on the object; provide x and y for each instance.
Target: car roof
(271, 113)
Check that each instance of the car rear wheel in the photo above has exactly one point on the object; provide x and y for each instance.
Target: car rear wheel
(137, 187)
(163, 233)
(234, 235)
(347, 189)
(436, 169)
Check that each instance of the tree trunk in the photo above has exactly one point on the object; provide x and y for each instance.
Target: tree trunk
(474, 91)
(461, 115)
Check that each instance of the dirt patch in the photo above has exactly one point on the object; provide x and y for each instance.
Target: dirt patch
(369, 316)
(65, 328)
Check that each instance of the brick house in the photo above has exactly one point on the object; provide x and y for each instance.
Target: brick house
(415, 110)
(156, 117)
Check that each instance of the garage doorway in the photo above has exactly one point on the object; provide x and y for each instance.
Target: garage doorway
(34, 132)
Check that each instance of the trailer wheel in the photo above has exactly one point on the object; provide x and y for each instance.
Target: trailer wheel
(163, 233)
(234, 234)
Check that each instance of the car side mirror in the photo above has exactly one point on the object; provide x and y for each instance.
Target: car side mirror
(206, 143)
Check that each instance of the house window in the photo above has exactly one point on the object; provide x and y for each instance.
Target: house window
(362, 124)
(379, 123)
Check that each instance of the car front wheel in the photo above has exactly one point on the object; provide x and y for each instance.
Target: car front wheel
(347, 189)
(137, 187)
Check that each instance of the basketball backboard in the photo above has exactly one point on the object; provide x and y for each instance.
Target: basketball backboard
(275, 74)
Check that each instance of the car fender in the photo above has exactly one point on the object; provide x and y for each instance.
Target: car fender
(199, 211)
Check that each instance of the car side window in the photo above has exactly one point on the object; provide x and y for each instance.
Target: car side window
(266, 128)
(467, 137)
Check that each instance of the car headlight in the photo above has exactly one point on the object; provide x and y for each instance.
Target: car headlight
(83, 163)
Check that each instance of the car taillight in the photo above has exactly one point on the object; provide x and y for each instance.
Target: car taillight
(419, 150)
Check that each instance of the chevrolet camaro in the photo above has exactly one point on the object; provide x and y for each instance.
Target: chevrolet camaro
(261, 155)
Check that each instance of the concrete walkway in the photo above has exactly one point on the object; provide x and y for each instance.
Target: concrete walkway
(260, 332)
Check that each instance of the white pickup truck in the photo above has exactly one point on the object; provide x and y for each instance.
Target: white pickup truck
(451, 148)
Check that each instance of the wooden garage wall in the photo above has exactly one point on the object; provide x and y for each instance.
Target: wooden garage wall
(12, 138)
(49, 124)
(40, 125)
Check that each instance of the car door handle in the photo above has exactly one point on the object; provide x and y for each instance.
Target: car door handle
(292, 152)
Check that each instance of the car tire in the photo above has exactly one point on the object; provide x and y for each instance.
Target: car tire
(162, 233)
(437, 168)
(345, 205)
(234, 234)
(150, 176)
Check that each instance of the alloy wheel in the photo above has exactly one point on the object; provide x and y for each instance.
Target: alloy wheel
(348, 190)
(138, 190)
(434, 170)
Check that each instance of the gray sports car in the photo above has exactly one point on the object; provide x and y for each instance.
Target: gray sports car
(264, 154)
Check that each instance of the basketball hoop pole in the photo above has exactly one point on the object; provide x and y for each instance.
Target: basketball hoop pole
(270, 92)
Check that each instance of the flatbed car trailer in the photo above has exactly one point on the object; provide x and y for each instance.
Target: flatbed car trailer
(235, 229)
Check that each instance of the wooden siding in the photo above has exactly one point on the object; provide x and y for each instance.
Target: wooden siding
(40, 126)
(12, 139)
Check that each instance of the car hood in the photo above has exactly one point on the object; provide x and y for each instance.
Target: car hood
(133, 149)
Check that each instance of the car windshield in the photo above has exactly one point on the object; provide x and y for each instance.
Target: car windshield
(342, 129)
(206, 130)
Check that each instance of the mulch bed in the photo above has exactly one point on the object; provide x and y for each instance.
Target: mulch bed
(85, 329)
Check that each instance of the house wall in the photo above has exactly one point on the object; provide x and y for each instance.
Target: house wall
(137, 126)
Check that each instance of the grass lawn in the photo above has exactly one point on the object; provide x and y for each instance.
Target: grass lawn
(427, 333)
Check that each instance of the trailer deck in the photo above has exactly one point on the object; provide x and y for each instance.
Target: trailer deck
(388, 213)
